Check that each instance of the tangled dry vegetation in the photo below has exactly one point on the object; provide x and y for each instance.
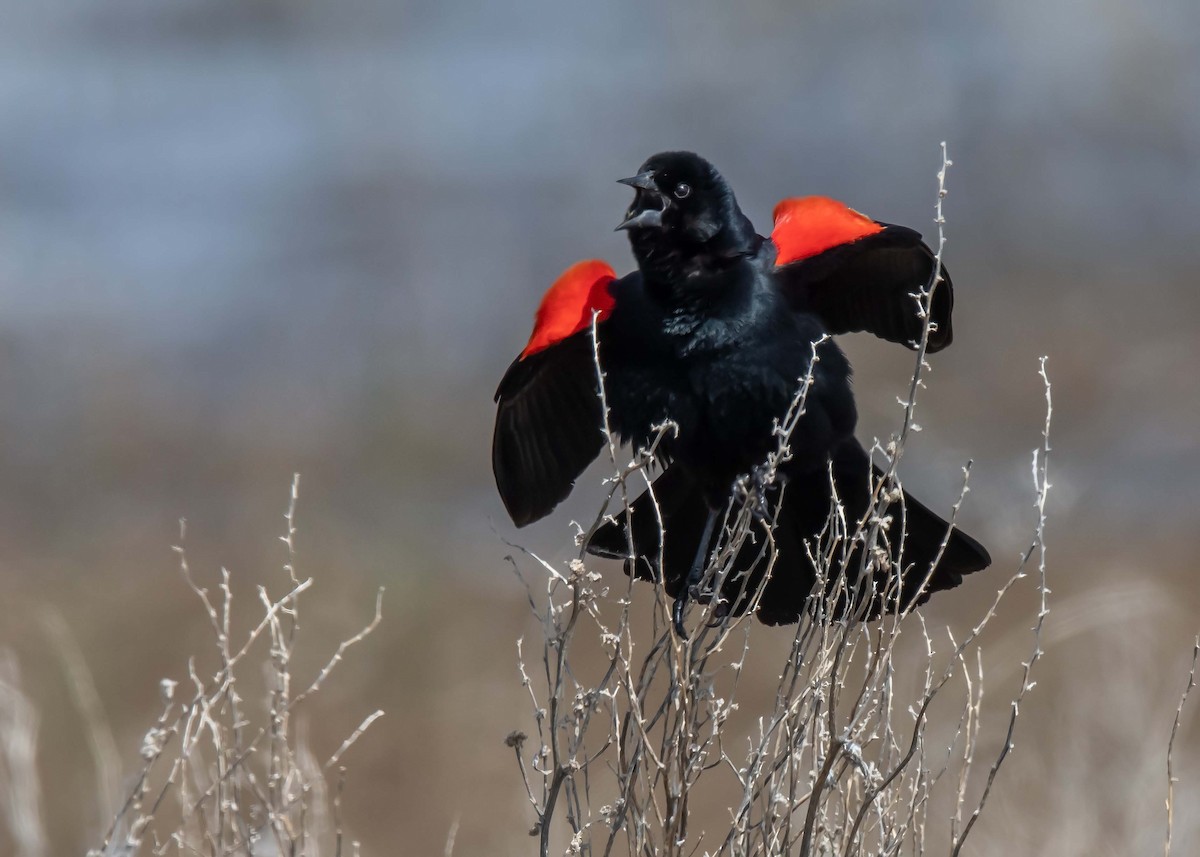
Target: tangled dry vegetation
(227, 777)
(844, 759)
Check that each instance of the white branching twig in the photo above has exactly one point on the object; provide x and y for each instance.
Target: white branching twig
(242, 782)
(1191, 683)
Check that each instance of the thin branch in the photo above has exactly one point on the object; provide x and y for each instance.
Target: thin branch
(1191, 682)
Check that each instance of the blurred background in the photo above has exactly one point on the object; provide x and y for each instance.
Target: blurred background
(243, 238)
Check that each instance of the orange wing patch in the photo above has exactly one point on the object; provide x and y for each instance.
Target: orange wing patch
(808, 225)
(567, 307)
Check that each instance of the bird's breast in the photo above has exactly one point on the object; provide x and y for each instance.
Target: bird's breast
(726, 405)
(724, 368)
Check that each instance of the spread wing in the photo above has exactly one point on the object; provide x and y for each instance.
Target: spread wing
(858, 274)
(549, 423)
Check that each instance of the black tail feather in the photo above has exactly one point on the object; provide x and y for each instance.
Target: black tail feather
(666, 553)
(682, 511)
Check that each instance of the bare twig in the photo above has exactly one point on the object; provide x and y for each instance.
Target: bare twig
(240, 781)
(1191, 683)
(354, 736)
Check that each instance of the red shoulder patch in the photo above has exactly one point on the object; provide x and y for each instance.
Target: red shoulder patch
(567, 307)
(808, 225)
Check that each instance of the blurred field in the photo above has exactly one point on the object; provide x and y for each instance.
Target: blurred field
(242, 238)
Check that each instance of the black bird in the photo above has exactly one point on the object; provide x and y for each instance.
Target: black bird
(715, 330)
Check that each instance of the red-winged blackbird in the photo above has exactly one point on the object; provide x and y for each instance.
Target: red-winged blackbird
(715, 330)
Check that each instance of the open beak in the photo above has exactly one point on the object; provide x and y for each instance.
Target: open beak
(648, 205)
(642, 181)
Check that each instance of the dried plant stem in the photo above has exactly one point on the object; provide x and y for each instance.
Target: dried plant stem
(1191, 683)
(239, 780)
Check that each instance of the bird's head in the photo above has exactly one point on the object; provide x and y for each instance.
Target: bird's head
(681, 197)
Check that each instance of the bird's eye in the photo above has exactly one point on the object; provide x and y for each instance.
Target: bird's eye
(683, 190)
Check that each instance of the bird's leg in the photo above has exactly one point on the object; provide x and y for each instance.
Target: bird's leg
(753, 489)
(761, 483)
(695, 574)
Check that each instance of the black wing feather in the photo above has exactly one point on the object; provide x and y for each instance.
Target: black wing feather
(549, 427)
(868, 285)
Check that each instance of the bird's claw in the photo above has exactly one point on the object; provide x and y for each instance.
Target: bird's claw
(754, 487)
(695, 592)
(691, 584)
(719, 614)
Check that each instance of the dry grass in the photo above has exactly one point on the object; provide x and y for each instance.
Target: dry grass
(220, 775)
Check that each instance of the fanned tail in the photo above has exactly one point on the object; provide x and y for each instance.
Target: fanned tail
(664, 551)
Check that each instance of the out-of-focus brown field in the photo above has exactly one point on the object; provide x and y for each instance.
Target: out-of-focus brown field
(241, 240)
